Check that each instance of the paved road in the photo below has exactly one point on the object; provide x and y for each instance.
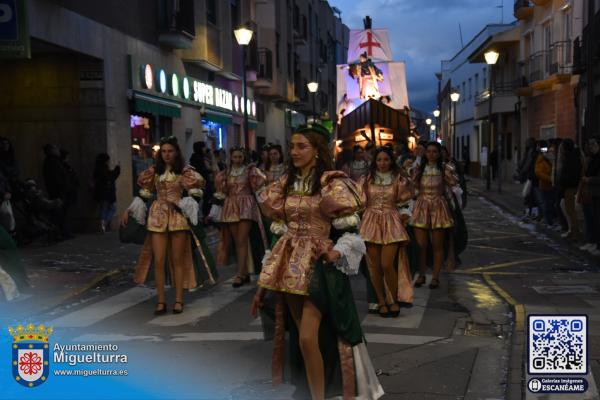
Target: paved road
(455, 343)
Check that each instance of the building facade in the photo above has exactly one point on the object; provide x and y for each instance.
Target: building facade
(587, 62)
(299, 41)
(461, 128)
(114, 77)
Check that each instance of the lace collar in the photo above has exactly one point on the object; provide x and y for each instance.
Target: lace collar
(237, 171)
(383, 178)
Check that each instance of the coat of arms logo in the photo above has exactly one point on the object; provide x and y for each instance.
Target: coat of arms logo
(30, 354)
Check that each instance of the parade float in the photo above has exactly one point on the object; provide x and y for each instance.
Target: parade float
(371, 92)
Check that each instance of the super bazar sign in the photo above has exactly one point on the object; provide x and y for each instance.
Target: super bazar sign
(192, 90)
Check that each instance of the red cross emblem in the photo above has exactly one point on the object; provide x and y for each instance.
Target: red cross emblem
(370, 43)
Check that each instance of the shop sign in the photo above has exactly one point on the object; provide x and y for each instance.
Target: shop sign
(14, 33)
(190, 90)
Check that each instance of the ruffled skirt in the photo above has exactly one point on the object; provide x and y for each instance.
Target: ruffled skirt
(289, 266)
(163, 217)
(240, 207)
(382, 227)
(431, 212)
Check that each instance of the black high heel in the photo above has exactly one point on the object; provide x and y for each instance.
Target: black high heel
(435, 283)
(393, 314)
(162, 310)
(421, 280)
(178, 311)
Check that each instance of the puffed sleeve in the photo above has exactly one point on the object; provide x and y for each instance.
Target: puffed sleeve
(271, 199)
(341, 200)
(146, 182)
(221, 185)
(193, 182)
(257, 178)
(405, 190)
(450, 175)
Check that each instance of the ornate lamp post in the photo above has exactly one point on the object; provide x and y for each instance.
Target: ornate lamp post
(243, 35)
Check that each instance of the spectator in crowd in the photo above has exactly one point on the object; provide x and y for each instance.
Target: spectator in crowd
(41, 213)
(543, 172)
(8, 163)
(105, 190)
(72, 187)
(56, 180)
(201, 160)
(526, 172)
(7, 219)
(401, 152)
(494, 163)
(419, 153)
(466, 159)
(589, 197)
(554, 145)
(221, 158)
(568, 176)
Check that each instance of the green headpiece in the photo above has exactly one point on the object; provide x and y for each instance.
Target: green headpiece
(314, 127)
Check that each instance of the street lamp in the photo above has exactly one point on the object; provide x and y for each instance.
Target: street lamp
(432, 132)
(454, 96)
(313, 87)
(491, 58)
(436, 113)
(243, 35)
(428, 121)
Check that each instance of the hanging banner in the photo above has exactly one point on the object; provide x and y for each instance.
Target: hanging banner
(374, 43)
(14, 33)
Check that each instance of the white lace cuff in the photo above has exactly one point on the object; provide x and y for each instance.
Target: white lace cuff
(196, 192)
(145, 193)
(219, 196)
(458, 192)
(138, 210)
(278, 228)
(349, 221)
(189, 207)
(352, 248)
(406, 208)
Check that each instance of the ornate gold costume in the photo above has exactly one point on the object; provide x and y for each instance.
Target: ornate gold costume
(169, 187)
(381, 223)
(431, 210)
(239, 203)
(309, 219)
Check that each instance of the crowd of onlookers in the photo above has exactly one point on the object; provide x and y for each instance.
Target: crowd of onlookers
(559, 179)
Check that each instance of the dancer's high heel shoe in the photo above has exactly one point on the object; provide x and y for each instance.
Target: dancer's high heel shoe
(160, 310)
(421, 280)
(178, 310)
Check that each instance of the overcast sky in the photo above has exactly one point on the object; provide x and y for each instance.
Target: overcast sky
(424, 32)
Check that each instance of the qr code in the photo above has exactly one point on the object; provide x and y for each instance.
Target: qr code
(557, 344)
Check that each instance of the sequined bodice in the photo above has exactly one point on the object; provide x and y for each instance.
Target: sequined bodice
(238, 185)
(432, 183)
(381, 198)
(304, 216)
(169, 189)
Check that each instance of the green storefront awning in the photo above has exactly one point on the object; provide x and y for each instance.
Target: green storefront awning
(218, 118)
(155, 105)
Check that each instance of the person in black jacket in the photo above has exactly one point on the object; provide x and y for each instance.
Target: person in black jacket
(105, 191)
(569, 175)
(201, 162)
(56, 179)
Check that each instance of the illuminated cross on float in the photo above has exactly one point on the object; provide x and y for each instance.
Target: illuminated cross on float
(369, 44)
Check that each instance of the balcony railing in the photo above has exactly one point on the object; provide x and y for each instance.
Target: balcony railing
(561, 58)
(176, 23)
(265, 64)
(499, 89)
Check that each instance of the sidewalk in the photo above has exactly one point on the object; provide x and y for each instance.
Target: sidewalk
(68, 270)
(547, 290)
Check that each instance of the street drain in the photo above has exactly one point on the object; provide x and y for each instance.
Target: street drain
(472, 329)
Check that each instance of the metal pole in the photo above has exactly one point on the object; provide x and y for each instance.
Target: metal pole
(488, 182)
(453, 139)
(245, 95)
(314, 108)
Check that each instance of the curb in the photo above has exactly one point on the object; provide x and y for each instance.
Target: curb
(100, 280)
